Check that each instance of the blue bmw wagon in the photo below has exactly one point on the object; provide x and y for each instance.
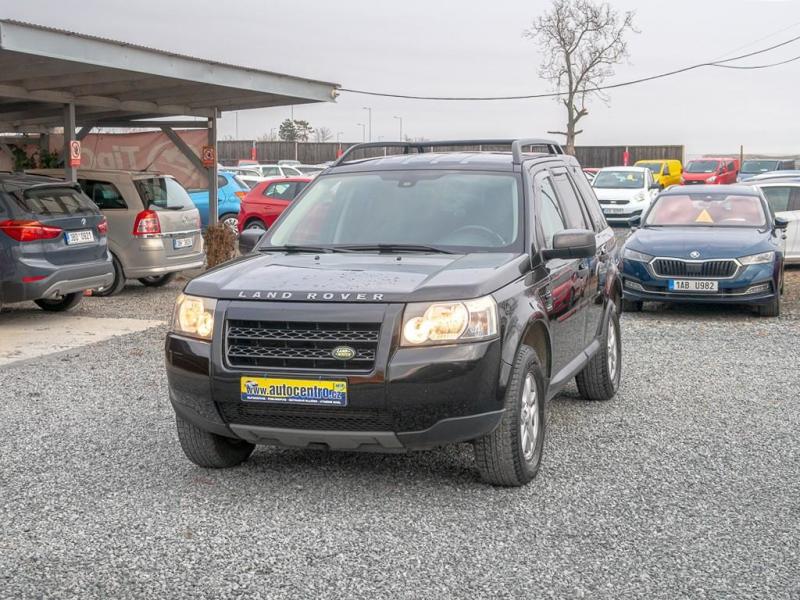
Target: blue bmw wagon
(711, 244)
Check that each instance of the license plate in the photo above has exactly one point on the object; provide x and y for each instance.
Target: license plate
(294, 391)
(693, 285)
(74, 238)
(178, 243)
(614, 211)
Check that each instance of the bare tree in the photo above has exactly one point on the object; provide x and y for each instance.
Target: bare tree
(322, 134)
(581, 40)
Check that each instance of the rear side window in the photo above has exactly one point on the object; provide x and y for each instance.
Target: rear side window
(163, 193)
(105, 195)
(53, 201)
(282, 190)
(221, 181)
(590, 202)
(270, 172)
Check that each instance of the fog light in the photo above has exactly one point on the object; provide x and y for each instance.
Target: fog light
(632, 285)
(759, 289)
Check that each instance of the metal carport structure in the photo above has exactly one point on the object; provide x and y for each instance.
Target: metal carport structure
(55, 78)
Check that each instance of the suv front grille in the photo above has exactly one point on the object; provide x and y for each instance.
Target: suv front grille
(300, 345)
(287, 417)
(714, 269)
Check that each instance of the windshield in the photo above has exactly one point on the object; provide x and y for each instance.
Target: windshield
(655, 168)
(472, 212)
(759, 166)
(706, 210)
(619, 180)
(702, 166)
(163, 193)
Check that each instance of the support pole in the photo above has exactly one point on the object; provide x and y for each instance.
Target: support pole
(213, 199)
(70, 173)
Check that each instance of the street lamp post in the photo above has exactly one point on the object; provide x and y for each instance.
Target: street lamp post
(363, 131)
(401, 126)
(369, 110)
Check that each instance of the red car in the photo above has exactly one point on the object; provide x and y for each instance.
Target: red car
(711, 171)
(267, 200)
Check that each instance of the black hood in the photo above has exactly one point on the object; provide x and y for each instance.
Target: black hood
(359, 277)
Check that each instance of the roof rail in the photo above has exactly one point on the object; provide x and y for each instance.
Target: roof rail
(420, 147)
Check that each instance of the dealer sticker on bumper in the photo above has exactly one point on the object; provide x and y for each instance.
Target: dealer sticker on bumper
(294, 391)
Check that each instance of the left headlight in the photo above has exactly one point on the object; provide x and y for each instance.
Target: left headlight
(447, 322)
(764, 258)
(194, 316)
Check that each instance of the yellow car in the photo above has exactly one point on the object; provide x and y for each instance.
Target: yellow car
(665, 172)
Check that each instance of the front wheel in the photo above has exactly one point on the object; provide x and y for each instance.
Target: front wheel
(61, 304)
(773, 309)
(206, 449)
(230, 220)
(157, 280)
(632, 306)
(599, 379)
(512, 453)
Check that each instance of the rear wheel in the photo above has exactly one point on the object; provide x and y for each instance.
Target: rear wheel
(599, 379)
(61, 304)
(115, 287)
(157, 280)
(632, 305)
(512, 453)
(773, 309)
(209, 450)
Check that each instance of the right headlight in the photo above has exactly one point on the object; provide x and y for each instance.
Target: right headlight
(764, 258)
(637, 256)
(448, 322)
(194, 316)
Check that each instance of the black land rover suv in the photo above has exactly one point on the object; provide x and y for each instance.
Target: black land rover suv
(402, 303)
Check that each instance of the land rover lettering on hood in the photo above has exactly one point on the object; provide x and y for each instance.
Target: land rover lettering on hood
(402, 303)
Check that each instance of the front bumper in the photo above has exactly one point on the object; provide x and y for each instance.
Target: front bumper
(413, 399)
(755, 284)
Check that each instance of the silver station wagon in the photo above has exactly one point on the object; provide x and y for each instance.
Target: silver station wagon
(153, 226)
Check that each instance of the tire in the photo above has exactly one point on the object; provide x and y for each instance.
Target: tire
(61, 304)
(773, 309)
(632, 306)
(600, 378)
(511, 454)
(116, 285)
(231, 220)
(157, 280)
(256, 224)
(209, 450)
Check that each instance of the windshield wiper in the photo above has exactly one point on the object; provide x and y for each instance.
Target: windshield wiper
(390, 248)
(293, 248)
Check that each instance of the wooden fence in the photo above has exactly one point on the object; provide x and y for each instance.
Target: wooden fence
(311, 153)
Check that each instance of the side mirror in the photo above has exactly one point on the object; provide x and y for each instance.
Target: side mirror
(572, 243)
(781, 223)
(655, 186)
(248, 240)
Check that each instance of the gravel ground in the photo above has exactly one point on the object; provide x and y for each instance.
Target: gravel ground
(686, 485)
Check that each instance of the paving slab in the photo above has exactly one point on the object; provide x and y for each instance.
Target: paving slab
(30, 335)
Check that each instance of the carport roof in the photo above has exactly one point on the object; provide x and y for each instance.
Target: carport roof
(108, 81)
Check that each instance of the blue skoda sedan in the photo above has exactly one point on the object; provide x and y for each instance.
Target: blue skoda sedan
(712, 244)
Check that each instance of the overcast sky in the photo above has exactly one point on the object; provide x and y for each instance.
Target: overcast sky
(475, 47)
